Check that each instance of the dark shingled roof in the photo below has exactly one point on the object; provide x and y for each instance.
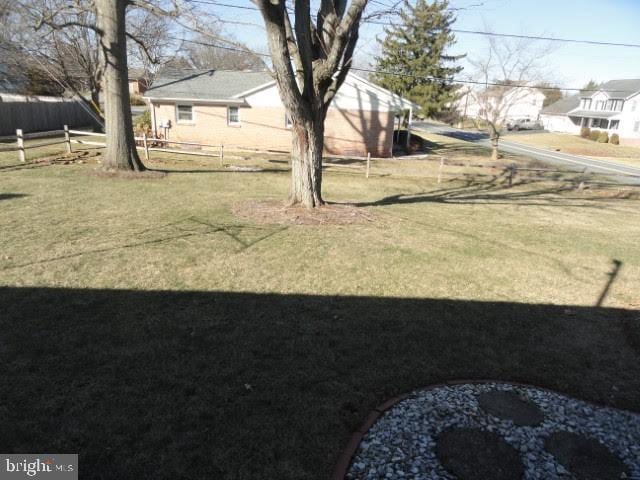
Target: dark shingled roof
(618, 88)
(206, 84)
(562, 106)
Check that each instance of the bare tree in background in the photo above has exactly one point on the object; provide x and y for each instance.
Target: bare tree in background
(504, 68)
(149, 45)
(201, 54)
(310, 58)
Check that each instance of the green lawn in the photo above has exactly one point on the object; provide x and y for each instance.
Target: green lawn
(147, 328)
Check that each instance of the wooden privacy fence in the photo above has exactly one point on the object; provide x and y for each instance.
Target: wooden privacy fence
(42, 115)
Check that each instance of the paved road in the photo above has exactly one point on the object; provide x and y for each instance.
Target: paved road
(618, 171)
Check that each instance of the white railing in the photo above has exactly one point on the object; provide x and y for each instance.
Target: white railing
(146, 141)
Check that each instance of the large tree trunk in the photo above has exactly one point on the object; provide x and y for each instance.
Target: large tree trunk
(306, 162)
(121, 153)
(494, 148)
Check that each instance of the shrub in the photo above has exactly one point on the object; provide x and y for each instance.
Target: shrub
(603, 137)
(584, 132)
(615, 139)
(137, 100)
(142, 124)
(594, 135)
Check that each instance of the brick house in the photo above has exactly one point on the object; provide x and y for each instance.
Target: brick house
(243, 109)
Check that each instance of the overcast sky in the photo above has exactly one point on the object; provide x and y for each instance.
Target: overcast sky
(570, 65)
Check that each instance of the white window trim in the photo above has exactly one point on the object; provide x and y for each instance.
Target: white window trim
(193, 114)
(229, 122)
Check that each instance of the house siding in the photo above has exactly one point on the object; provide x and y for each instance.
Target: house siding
(347, 132)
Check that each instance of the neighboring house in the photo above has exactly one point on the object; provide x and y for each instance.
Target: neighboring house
(614, 108)
(555, 119)
(137, 82)
(243, 109)
(514, 104)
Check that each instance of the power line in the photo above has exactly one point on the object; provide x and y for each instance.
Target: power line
(432, 78)
(458, 30)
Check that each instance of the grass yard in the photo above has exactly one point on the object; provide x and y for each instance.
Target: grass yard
(576, 145)
(147, 328)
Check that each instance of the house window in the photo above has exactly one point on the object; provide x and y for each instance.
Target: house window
(636, 127)
(599, 122)
(614, 124)
(533, 102)
(633, 106)
(599, 105)
(586, 103)
(614, 105)
(287, 121)
(184, 113)
(233, 116)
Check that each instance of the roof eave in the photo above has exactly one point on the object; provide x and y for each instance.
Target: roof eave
(211, 101)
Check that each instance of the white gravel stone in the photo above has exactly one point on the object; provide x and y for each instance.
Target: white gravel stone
(401, 444)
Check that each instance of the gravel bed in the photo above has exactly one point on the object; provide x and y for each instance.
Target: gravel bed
(402, 443)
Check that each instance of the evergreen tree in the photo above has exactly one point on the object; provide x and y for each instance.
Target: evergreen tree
(414, 55)
(590, 87)
(551, 93)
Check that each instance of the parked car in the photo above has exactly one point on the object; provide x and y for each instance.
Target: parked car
(523, 124)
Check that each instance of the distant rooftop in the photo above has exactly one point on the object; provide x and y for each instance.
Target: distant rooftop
(563, 106)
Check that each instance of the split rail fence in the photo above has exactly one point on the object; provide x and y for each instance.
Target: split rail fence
(150, 144)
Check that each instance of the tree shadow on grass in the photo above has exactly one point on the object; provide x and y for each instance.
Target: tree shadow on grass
(169, 384)
(494, 189)
(244, 237)
(9, 196)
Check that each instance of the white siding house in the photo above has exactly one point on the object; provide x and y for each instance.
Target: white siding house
(614, 108)
(516, 104)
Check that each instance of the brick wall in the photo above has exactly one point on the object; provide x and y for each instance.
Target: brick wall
(346, 132)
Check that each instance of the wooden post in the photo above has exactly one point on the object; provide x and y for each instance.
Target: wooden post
(222, 154)
(67, 138)
(21, 150)
(368, 163)
(440, 170)
(409, 120)
(511, 173)
(145, 144)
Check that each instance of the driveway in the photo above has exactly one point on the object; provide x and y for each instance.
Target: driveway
(622, 173)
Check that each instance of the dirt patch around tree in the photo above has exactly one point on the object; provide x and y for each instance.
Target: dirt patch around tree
(129, 174)
(277, 212)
